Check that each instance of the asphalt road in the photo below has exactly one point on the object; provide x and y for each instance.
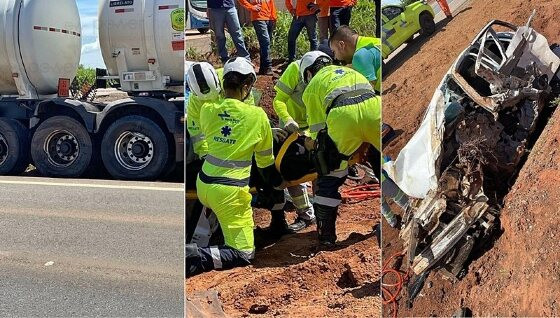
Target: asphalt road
(90, 248)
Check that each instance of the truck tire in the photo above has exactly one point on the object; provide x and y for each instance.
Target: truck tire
(61, 148)
(14, 147)
(135, 148)
(427, 24)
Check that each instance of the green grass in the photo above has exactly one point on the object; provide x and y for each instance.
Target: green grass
(191, 54)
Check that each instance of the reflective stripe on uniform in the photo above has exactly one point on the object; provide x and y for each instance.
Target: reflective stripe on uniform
(284, 88)
(302, 202)
(228, 163)
(223, 180)
(338, 174)
(265, 152)
(197, 138)
(339, 91)
(216, 258)
(250, 254)
(317, 127)
(297, 95)
(346, 101)
(327, 201)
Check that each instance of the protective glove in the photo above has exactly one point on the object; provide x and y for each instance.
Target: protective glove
(279, 134)
(291, 126)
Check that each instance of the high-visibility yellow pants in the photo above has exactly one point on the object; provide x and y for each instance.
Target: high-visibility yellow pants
(232, 206)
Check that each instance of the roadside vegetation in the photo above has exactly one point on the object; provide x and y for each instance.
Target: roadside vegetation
(84, 80)
(362, 21)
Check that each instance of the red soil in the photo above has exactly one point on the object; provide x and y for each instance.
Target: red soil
(520, 274)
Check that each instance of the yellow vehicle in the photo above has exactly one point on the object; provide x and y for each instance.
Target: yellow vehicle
(401, 23)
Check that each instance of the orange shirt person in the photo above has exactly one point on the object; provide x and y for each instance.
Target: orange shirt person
(341, 13)
(304, 16)
(263, 17)
(324, 19)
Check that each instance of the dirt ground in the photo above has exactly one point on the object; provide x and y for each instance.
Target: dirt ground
(294, 278)
(519, 275)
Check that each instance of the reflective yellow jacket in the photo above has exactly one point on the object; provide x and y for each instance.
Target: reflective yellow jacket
(289, 90)
(234, 132)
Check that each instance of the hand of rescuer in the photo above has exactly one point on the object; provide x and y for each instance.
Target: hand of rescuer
(279, 134)
(291, 126)
(309, 143)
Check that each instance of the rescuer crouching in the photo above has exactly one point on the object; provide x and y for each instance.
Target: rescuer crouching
(234, 132)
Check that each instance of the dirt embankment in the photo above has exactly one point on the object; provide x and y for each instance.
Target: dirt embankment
(409, 89)
(520, 274)
(293, 278)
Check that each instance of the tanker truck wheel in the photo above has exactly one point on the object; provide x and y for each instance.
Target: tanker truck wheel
(61, 147)
(135, 148)
(14, 147)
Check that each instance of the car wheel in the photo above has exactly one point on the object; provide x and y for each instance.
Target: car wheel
(427, 24)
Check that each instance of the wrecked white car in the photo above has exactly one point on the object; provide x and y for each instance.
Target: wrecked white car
(477, 130)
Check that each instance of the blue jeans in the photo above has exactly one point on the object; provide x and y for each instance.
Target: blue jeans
(309, 22)
(219, 18)
(340, 16)
(264, 30)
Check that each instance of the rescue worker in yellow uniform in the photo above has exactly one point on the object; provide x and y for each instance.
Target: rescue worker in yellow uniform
(208, 93)
(207, 90)
(364, 53)
(235, 132)
(293, 118)
(343, 112)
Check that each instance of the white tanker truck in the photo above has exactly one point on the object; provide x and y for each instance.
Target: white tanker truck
(137, 138)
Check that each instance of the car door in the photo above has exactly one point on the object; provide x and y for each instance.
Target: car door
(392, 27)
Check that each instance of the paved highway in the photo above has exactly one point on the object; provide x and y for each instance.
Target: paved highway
(90, 248)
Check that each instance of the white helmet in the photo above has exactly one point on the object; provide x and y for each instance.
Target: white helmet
(309, 59)
(239, 65)
(203, 81)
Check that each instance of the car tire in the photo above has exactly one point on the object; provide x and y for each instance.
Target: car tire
(14, 147)
(427, 24)
(135, 148)
(61, 148)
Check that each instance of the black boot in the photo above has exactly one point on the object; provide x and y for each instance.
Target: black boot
(326, 224)
(270, 235)
(193, 261)
(278, 225)
(204, 259)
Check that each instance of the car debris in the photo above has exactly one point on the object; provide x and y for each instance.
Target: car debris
(470, 145)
